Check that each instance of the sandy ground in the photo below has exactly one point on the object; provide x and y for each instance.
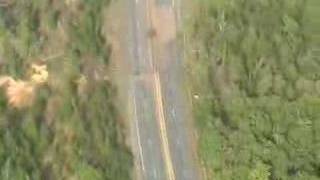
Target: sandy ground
(163, 21)
(115, 28)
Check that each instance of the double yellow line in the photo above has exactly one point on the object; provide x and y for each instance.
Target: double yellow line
(163, 129)
(159, 105)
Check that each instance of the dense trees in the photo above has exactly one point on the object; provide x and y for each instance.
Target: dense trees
(256, 70)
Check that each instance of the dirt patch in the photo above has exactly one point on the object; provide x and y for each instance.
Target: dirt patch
(115, 30)
(163, 21)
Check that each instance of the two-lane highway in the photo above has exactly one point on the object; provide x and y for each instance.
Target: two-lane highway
(161, 138)
(147, 143)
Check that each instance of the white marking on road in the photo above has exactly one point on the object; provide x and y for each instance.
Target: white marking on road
(138, 134)
(137, 1)
(178, 142)
(150, 142)
(155, 174)
(138, 25)
(173, 112)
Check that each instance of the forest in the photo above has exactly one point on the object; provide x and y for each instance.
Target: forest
(58, 119)
(254, 67)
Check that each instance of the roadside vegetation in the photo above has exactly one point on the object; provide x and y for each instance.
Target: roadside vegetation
(70, 129)
(254, 68)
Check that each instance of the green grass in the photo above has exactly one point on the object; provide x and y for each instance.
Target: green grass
(255, 66)
(72, 131)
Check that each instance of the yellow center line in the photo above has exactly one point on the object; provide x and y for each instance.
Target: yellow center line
(163, 130)
(159, 104)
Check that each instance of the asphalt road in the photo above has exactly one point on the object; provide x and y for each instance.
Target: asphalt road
(161, 133)
(177, 115)
(150, 161)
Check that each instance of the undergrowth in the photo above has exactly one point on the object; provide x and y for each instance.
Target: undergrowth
(72, 129)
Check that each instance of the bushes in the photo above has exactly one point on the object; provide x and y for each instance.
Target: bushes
(71, 131)
(262, 87)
